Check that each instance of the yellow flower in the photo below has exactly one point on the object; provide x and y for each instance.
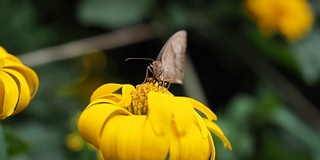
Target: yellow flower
(148, 122)
(292, 18)
(18, 84)
(74, 142)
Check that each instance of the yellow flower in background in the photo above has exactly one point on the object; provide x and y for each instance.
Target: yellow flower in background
(291, 18)
(18, 84)
(75, 143)
(148, 122)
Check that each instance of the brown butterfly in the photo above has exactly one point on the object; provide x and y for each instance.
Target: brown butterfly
(170, 63)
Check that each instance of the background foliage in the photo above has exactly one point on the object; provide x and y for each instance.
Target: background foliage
(265, 90)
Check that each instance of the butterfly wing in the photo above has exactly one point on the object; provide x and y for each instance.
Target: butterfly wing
(172, 58)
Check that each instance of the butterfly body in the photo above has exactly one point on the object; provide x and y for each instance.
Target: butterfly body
(170, 63)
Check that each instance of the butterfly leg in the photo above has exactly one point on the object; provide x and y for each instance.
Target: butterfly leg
(169, 81)
(147, 73)
(168, 85)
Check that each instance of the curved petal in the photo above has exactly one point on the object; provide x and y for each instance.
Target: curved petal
(212, 147)
(160, 114)
(175, 146)
(204, 109)
(217, 131)
(182, 113)
(105, 89)
(102, 101)
(32, 80)
(158, 144)
(8, 56)
(10, 95)
(191, 145)
(126, 95)
(202, 126)
(123, 100)
(24, 93)
(123, 142)
(30, 76)
(115, 98)
(93, 119)
(2, 57)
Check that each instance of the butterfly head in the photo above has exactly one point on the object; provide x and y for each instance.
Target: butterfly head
(157, 69)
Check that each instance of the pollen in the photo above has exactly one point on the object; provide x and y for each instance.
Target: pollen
(139, 104)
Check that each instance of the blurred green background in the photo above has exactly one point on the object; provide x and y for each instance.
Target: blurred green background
(264, 90)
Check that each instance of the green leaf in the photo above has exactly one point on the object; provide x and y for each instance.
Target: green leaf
(274, 145)
(113, 13)
(241, 108)
(308, 57)
(3, 144)
(277, 51)
(16, 145)
(20, 30)
(178, 15)
(236, 123)
(285, 119)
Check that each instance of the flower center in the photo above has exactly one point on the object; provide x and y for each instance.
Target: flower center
(139, 103)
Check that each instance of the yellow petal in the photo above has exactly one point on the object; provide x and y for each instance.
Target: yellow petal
(102, 101)
(9, 57)
(212, 147)
(30, 76)
(93, 119)
(122, 137)
(10, 95)
(189, 146)
(107, 92)
(201, 125)
(105, 89)
(123, 100)
(126, 95)
(160, 114)
(33, 81)
(204, 109)
(2, 57)
(217, 131)
(155, 146)
(115, 98)
(183, 113)
(24, 93)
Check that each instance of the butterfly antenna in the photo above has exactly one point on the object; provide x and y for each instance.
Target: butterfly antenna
(134, 58)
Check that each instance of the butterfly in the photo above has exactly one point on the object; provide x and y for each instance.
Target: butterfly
(170, 63)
